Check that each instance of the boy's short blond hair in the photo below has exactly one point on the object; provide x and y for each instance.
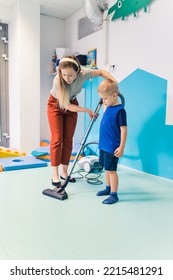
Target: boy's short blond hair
(108, 87)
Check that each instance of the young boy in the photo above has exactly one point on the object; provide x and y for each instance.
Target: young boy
(112, 138)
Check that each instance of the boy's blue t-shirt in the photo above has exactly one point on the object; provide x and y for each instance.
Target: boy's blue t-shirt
(109, 137)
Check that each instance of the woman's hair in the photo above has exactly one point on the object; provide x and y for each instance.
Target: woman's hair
(108, 87)
(63, 95)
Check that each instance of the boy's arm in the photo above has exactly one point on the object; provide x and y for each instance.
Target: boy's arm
(119, 151)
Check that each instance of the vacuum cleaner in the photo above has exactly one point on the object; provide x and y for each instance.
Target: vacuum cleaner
(53, 192)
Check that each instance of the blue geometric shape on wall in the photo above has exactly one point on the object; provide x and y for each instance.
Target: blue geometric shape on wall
(149, 145)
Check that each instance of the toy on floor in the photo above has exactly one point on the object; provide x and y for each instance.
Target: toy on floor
(44, 143)
(24, 162)
(6, 152)
(43, 152)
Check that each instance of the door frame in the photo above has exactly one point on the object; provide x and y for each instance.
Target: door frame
(4, 86)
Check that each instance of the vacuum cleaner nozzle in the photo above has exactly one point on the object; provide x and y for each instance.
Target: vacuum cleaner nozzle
(54, 194)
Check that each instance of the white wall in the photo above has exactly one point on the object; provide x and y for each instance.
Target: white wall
(24, 74)
(51, 37)
(141, 42)
(5, 14)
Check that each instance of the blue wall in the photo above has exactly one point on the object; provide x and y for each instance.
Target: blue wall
(149, 145)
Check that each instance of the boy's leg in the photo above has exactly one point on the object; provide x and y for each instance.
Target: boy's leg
(113, 180)
(113, 198)
(107, 190)
(111, 163)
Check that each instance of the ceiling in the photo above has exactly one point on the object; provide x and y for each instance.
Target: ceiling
(56, 8)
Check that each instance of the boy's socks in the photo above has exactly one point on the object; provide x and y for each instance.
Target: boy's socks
(105, 191)
(113, 198)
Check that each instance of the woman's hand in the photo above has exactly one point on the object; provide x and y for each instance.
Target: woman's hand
(75, 108)
(91, 113)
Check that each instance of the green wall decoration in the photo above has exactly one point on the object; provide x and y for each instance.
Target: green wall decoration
(123, 8)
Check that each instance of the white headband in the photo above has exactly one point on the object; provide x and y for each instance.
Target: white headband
(68, 59)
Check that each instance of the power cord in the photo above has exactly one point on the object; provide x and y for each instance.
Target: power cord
(93, 180)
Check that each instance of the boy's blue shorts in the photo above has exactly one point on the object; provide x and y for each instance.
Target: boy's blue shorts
(108, 161)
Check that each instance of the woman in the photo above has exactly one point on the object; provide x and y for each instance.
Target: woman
(62, 114)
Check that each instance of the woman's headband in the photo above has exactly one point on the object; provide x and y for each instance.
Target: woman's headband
(68, 59)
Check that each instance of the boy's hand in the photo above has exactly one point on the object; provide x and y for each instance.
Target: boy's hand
(118, 152)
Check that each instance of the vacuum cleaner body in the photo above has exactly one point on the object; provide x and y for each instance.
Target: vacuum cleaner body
(89, 163)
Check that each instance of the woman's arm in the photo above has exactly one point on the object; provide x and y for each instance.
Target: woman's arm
(103, 73)
(75, 108)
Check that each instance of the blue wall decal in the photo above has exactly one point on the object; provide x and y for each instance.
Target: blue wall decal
(149, 145)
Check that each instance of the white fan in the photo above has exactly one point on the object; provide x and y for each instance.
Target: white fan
(94, 10)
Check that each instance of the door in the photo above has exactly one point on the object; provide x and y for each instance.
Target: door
(4, 94)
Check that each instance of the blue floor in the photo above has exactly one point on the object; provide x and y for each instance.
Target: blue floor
(36, 227)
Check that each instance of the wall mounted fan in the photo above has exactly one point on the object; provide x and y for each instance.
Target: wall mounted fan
(96, 12)
(95, 9)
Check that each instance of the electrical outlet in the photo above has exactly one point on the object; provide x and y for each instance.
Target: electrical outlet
(112, 67)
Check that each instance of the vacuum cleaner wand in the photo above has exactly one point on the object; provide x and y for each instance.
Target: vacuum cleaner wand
(122, 99)
(83, 141)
